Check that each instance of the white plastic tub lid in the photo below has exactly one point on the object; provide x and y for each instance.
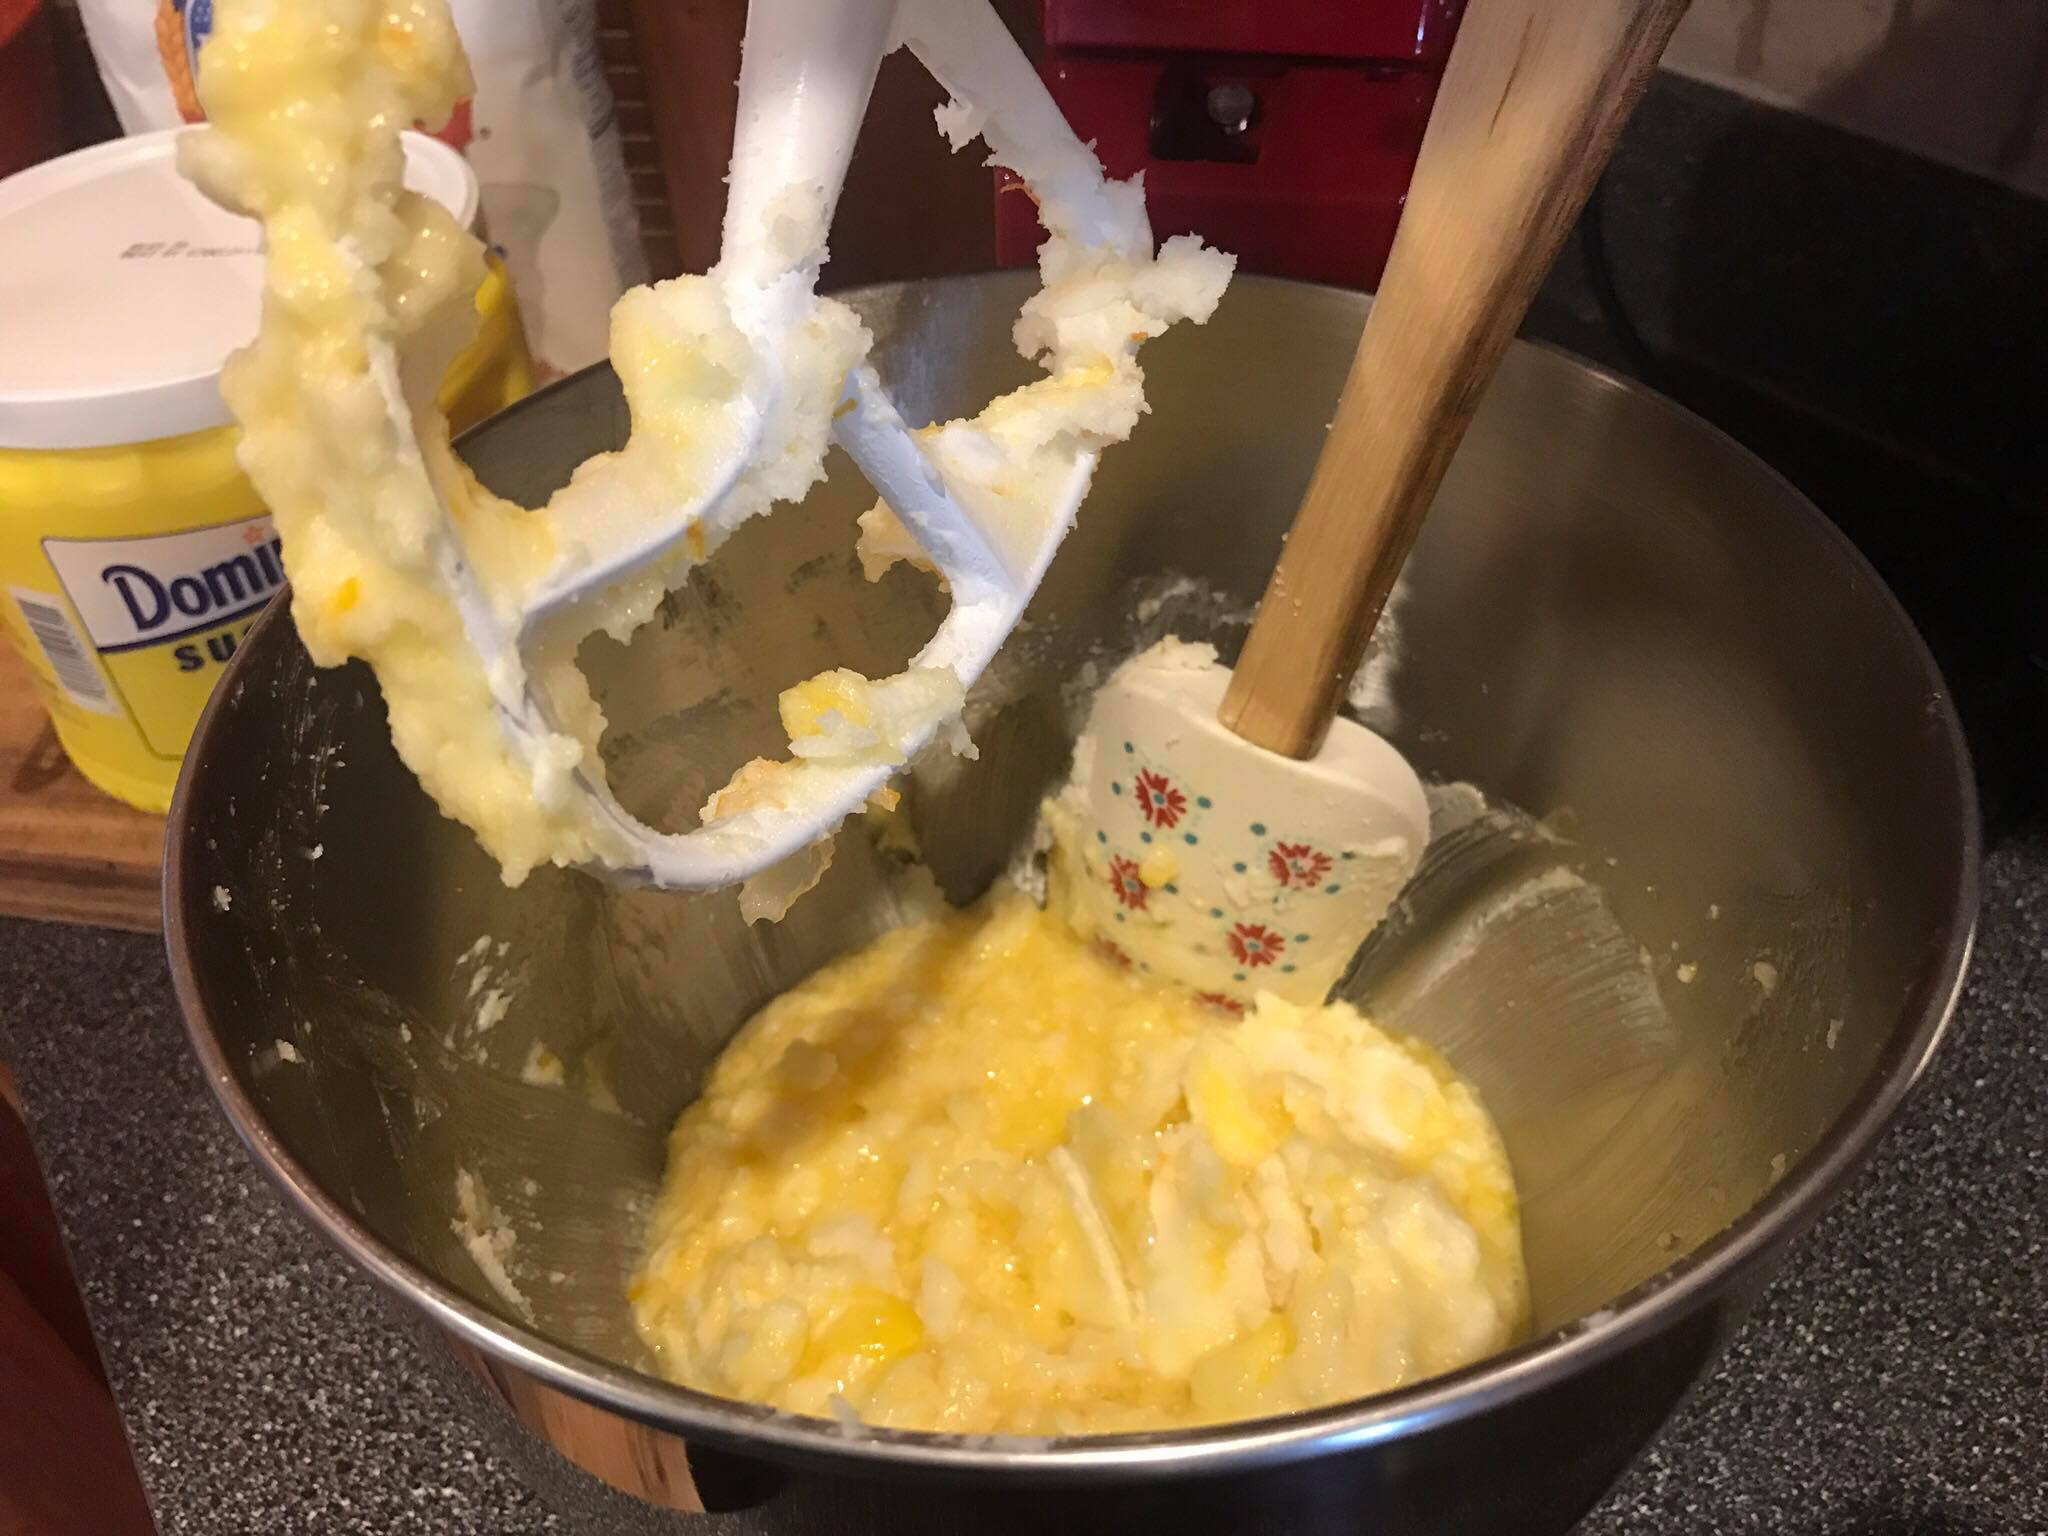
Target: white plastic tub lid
(123, 288)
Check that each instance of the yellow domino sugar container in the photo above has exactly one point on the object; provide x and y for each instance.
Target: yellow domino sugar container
(133, 553)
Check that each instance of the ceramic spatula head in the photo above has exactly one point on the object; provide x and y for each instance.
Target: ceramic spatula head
(1219, 828)
(1186, 851)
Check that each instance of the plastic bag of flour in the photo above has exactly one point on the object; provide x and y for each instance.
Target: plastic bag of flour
(540, 133)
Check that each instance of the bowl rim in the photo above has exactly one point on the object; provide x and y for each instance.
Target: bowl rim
(1785, 1210)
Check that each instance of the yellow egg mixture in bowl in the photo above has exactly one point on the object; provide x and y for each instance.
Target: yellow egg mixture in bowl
(980, 1177)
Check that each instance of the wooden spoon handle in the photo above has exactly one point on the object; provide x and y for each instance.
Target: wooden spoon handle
(1532, 98)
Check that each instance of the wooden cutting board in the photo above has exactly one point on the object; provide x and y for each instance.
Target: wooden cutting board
(68, 853)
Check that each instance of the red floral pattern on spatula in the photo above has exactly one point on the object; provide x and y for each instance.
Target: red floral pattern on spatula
(1113, 953)
(1297, 864)
(1159, 802)
(1255, 944)
(1130, 890)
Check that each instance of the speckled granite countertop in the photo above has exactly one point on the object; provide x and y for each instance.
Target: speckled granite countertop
(1893, 1382)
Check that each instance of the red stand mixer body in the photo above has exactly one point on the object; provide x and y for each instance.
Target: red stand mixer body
(1282, 130)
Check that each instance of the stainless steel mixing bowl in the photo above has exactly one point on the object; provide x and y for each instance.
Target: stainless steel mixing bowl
(1617, 620)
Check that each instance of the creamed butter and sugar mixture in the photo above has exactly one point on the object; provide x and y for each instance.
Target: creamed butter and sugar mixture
(979, 1178)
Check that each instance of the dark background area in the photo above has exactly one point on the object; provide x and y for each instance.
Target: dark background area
(1871, 324)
